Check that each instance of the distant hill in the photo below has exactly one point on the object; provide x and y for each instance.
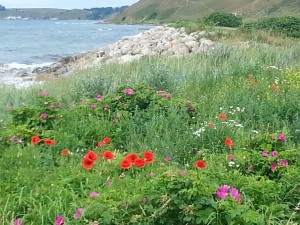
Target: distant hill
(174, 10)
(62, 14)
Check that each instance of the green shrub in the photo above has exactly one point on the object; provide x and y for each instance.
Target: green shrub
(287, 26)
(223, 19)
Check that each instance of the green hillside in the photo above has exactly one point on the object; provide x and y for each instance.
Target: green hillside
(174, 10)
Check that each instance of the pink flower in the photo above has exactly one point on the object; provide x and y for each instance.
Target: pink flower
(94, 195)
(108, 183)
(274, 153)
(10, 107)
(78, 213)
(198, 152)
(284, 163)
(93, 106)
(57, 105)
(168, 158)
(99, 98)
(189, 102)
(129, 91)
(168, 96)
(222, 194)
(44, 115)
(281, 137)
(161, 92)
(59, 220)
(231, 157)
(265, 153)
(235, 193)
(82, 102)
(224, 188)
(184, 172)
(274, 166)
(43, 93)
(250, 168)
(18, 222)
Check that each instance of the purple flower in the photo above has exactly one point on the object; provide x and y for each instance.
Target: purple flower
(250, 168)
(78, 213)
(168, 158)
(281, 137)
(168, 96)
(161, 92)
(129, 91)
(265, 153)
(231, 157)
(10, 107)
(94, 195)
(44, 116)
(274, 153)
(99, 98)
(224, 188)
(184, 172)
(93, 106)
(222, 194)
(18, 222)
(274, 166)
(59, 220)
(284, 163)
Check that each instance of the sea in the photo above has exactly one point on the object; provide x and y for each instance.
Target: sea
(28, 44)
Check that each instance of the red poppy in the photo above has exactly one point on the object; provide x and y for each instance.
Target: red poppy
(108, 155)
(250, 76)
(223, 116)
(278, 89)
(149, 157)
(200, 164)
(126, 164)
(132, 157)
(255, 83)
(106, 140)
(87, 163)
(273, 86)
(65, 152)
(35, 140)
(229, 142)
(140, 163)
(100, 144)
(92, 156)
(49, 142)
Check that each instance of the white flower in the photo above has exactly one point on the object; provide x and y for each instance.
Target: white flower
(231, 163)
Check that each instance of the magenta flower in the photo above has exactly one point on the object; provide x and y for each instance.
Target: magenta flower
(222, 194)
(10, 107)
(231, 157)
(43, 93)
(274, 166)
(265, 153)
(44, 116)
(235, 193)
(168, 96)
(184, 172)
(18, 222)
(250, 168)
(281, 137)
(93, 106)
(99, 98)
(59, 220)
(129, 91)
(274, 153)
(284, 163)
(224, 188)
(192, 108)
(168, 158)
(94, 195)
(78, 213)
(161, 92)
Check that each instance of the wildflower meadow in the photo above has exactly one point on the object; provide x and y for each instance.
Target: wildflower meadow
(210, 139)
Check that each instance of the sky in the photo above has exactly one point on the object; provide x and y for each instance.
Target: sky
(65, 4)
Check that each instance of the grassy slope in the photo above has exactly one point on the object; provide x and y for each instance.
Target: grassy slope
(170, 10)
(46, 13)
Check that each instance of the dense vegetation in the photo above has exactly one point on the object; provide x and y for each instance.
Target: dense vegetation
(223, 19)
(101, 13)
(202, 139)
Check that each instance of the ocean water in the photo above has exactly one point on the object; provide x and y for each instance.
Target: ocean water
(27, 44)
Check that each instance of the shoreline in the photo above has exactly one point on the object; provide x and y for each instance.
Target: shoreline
(156, 41)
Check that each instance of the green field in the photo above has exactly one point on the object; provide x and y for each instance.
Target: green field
(235, 108)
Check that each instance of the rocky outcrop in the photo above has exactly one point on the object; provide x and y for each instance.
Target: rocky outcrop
(164, 41)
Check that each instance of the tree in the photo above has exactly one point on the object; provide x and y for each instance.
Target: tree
(223, 19)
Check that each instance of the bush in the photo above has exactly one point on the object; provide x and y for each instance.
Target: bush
(223, 19)
(287, 26)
